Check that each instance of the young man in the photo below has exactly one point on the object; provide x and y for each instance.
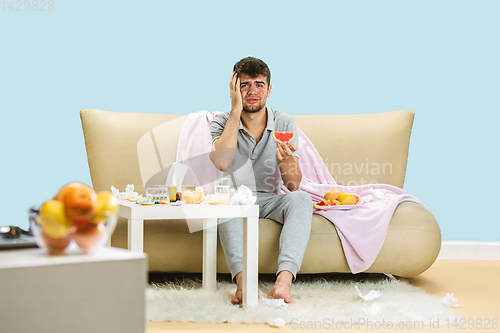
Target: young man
(244, 148)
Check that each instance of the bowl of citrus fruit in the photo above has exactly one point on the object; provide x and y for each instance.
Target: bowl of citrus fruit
(337, 199)
(76, 218)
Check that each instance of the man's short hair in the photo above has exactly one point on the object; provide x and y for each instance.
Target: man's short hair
(252, 67)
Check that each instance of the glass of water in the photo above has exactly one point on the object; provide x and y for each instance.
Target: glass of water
(222, 187)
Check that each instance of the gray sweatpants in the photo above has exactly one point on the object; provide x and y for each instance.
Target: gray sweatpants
(293, 211)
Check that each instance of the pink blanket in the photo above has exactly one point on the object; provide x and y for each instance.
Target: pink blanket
(362, 230)
(193, 148)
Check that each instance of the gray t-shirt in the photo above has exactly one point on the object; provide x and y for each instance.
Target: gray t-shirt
(256, 165)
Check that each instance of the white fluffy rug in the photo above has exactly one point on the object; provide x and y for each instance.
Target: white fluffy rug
(316, 299)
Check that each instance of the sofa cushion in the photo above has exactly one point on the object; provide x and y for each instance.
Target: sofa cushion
(412, 244)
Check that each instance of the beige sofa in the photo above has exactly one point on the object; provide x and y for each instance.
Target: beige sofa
(357, 149)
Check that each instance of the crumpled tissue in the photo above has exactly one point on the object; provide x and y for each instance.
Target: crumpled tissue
(450, 301)
(243, 196)
(129, 193)
(376, 195)
(278, 322)
(274, 302)
(373, 294)
(374, 308)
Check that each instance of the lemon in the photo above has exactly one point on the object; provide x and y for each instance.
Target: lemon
(344, 196)
(348, 201)
(54, 221)
(106, 206)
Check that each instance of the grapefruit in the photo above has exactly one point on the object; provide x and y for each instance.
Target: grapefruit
(283, 137)
(89, 235)
(323, 203)
(193, 196)
(56, 245)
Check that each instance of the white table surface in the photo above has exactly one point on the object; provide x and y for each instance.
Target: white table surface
(96, 292)
(136, 214)
(38, 257)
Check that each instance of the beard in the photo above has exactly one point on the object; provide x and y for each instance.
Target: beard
(254, 108)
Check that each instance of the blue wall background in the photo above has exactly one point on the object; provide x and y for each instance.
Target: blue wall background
(438, 58)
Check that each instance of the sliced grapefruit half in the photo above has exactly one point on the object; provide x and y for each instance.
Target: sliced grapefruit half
(358, 199)
(283, 136)
(324, 203)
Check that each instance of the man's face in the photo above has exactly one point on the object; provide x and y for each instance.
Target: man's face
(254, 92)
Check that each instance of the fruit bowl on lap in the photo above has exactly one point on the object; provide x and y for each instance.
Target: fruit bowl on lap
(337, 199)
(76, 220)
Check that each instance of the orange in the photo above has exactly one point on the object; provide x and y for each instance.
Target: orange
(79, 202)
(66, 188)
(332, 195)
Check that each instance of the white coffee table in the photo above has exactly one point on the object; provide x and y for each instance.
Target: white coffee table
(136, 214)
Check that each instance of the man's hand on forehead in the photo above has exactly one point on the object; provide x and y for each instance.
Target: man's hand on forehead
(235, 93)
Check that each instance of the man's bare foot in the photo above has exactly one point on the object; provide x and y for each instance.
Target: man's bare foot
(282, 287)
(238, 297)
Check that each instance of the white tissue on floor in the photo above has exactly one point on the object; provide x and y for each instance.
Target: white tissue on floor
(243, 196)
(128, 194)
(373, 294)
(450, 301)
(278, 322)
(374, 308)
(275, 303)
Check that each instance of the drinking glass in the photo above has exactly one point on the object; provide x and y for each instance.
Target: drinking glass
(222, 188)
